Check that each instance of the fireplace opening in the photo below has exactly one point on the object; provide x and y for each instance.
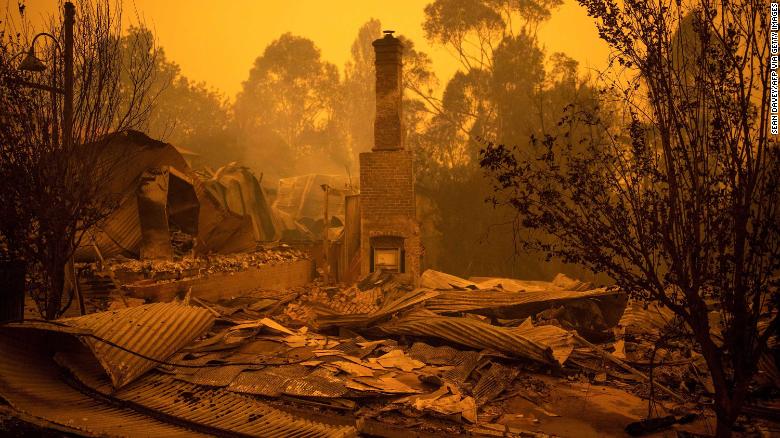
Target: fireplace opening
(387, 254)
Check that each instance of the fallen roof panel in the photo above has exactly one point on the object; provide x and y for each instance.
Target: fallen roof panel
(206, 409)
(150, 331)
(559, 340)
(645, 318)
(440, 280)
(223, 410)
(153, 330)
(30, 382)
(510, 305)
(469, 332)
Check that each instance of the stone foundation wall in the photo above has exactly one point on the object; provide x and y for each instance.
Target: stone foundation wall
(215, 287)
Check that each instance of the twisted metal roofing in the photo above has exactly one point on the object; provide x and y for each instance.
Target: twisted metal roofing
(215, 411)
(493, 382)
(469, 332)
(153, 330)
(222, 410)
(559, 340)
(645, 318)
(402, 302)
(464, 301)
(30, 382)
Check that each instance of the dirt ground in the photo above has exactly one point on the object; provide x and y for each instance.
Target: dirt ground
(587, 410)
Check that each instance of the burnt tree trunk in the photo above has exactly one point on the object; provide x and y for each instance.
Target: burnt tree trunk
(56, 288)
(12, 282)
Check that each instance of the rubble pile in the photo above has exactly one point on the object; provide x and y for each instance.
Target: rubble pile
(160, 270)
(430, 358)
(380, 358)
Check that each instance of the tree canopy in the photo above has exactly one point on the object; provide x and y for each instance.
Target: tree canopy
(678, 200)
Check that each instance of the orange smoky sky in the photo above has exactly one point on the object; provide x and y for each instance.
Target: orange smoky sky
(217, 41)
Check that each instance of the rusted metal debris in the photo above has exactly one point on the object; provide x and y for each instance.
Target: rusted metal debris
(402, 302)
(300, 362)
(517, 305)
(30, 382)
(128, 342)
(645, 318)
(471, 333)
(198, 405)
(560, 341)
(493, 382)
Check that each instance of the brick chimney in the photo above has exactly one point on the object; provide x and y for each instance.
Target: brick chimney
(389, 231)
(388, 133)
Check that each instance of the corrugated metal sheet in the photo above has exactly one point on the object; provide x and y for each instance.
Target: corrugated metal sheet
(154, 330)
(567, 283)
(121, 235)
(560, 282)
(209, 410)
(513, 284)
(493, 382)
(320, 383)
(365, 301)
(469, 332)
(213, 376)
(30, 382)
(464, 301)
(162, 396)
(269, 382)
(263, 382)
(514, 305)
(240, 192)
(559, 340)
(440, 280)
(300, 382)
(218, 229)
(223, 410)
(351, 348)
(645, 318)
(464, 362)
(768, 372)
(136, 153)
(405, 301)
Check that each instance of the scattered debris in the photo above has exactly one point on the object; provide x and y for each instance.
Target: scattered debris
(470, 333)
(375, 356)
(130, 270)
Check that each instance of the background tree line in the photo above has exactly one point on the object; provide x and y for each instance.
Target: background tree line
(296, 114)
(671, 185)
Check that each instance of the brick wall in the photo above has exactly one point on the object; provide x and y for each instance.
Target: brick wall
(388, 131)
(386, 184)
(387, 206)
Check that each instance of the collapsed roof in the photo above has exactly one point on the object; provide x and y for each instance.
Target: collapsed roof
(300, 204)
(157, 192)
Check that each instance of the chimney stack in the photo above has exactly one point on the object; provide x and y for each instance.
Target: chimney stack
(388, 133)
(389, 231)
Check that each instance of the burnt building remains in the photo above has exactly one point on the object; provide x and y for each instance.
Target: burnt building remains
(389, 230)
